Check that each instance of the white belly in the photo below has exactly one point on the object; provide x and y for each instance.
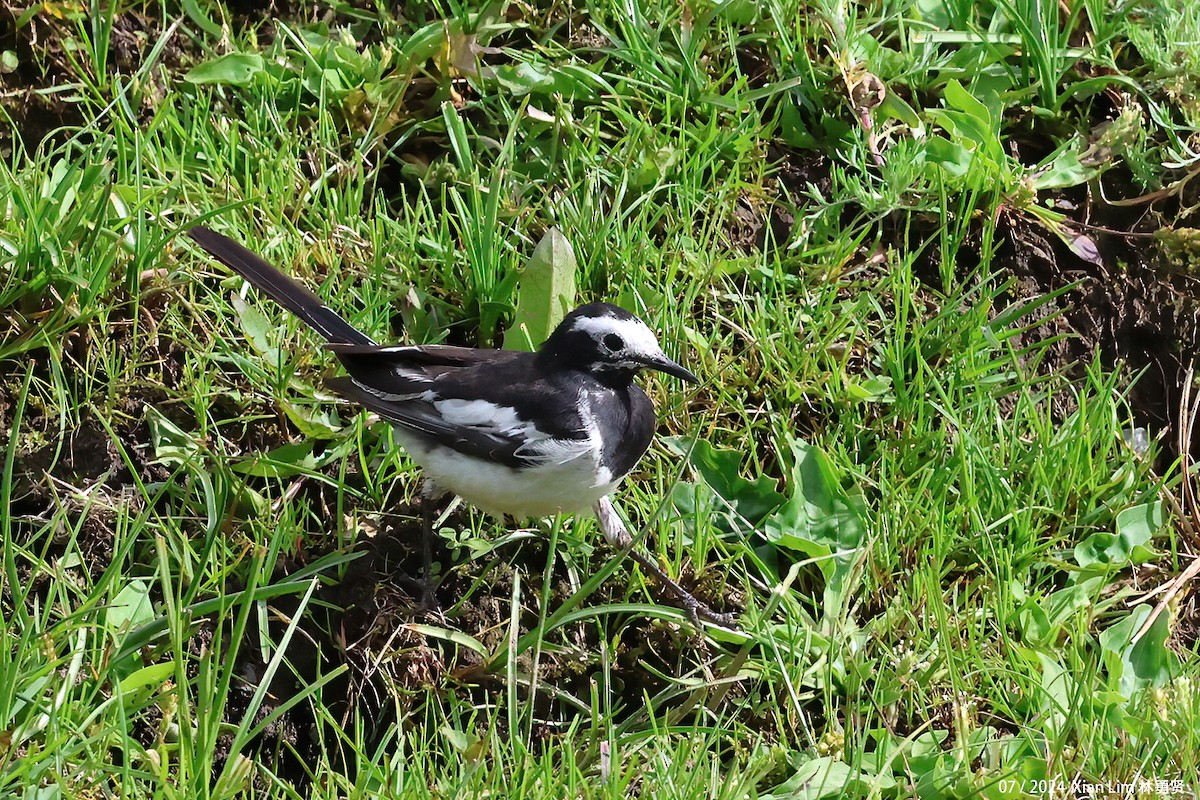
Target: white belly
(566, 487)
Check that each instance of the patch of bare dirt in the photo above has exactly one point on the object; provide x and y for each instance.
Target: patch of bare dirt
(82, 475)
(34, 114)
(365, 622)
(1136, 310)
(40, 94)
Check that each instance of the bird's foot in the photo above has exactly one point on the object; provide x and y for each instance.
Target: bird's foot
(428, 600)
(424, 590)
(428, 585)
(617, 535)
(696, 609)
(700, 612)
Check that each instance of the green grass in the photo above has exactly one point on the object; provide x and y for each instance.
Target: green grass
(904, 468)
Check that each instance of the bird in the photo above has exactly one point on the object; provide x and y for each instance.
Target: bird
(513, 433)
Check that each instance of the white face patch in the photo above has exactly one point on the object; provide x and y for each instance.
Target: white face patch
(638, 341)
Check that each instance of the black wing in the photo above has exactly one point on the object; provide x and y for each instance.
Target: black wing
(403, 372)
(420, 417)
(436, 355)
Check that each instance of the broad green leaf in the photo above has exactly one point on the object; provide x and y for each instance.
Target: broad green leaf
(897, 107)
(973, 122)
(171, 444)
(927, 753)
(828, 777)
(458, 739)
(257, 329)
(1041, 619)
(820, 516)
(547, 291)
(524, 78)
(174, 447)
(234, 69)
(936, 13)
(792, 129)
(655, 165)
(820, 519)
(130, 608)
(469, 745)
(1033, 621)
(1140, 523)
(251, 502)
(314, 422)
(747, 502)
(1055, 698)
(817, 518)
(154, 675)
(738, 12)
(875, 389)
(281, 462)
(1129, 545)
(428, 42)
(1064, 169)
(1147, 663)
(570, 81)
(950, 156)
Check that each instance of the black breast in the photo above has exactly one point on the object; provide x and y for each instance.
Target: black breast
(630, 414)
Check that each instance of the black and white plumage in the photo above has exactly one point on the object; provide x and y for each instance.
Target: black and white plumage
(512, 433)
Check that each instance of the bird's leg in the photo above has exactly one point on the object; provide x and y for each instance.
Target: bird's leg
(428, 600)
(617, 535)
(430, 492)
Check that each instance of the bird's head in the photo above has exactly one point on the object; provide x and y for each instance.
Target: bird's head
(610, 343)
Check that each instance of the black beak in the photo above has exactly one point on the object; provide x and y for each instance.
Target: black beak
(664, 364)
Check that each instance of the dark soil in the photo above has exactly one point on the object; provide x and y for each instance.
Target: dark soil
(1138, 311)
(361, 621)
(34, 115)
(42, 98)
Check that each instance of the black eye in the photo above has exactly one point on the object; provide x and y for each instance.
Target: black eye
(613, 342)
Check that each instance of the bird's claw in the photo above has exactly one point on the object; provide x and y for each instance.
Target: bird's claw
(699, 613)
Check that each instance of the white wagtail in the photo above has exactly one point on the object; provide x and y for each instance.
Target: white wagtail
(510, 432)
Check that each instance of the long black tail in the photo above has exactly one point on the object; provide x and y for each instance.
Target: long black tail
(282, 289)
